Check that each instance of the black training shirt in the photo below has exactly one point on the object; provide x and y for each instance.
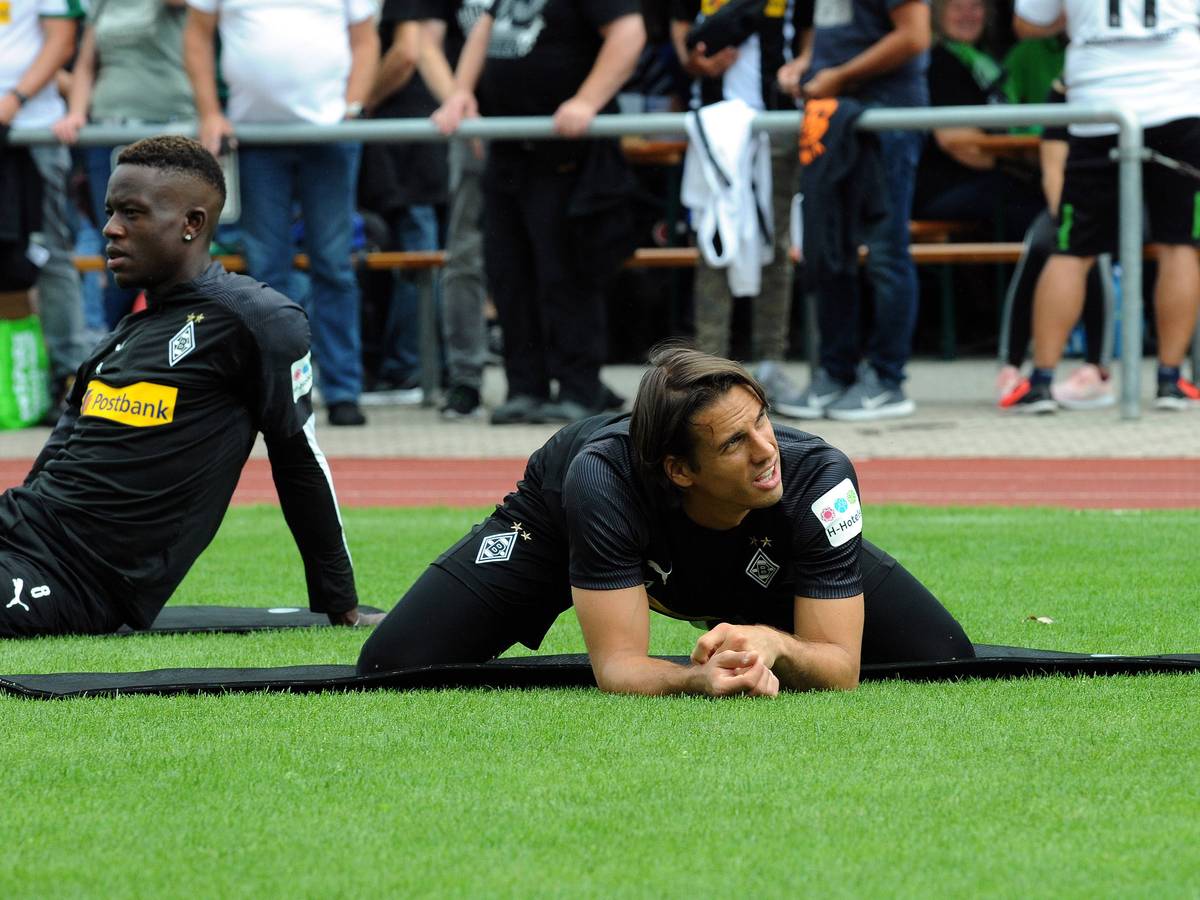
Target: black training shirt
(135, 480)
(620, 535)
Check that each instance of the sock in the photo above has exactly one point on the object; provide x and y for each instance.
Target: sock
(1040, 377)
(1168, 374)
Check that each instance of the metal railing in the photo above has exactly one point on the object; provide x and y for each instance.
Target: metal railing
(1130, 154)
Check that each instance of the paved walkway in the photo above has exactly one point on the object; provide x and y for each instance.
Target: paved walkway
(958, 448)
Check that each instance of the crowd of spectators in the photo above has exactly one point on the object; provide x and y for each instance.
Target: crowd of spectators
(535, 231)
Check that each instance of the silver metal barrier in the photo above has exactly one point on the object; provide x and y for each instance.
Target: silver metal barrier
(1130, 154)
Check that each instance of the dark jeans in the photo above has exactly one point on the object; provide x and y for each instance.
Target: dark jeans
(994, 198)
(552, 314)
(893, 278)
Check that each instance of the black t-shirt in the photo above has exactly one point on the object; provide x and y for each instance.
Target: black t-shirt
(541, 51)
(584, 483)
(135, 480)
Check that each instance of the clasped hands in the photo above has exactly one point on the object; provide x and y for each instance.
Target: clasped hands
(737, 659)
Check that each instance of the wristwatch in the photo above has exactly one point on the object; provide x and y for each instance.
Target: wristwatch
(22, 99)
(354, 110)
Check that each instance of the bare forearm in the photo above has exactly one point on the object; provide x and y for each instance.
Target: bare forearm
(647, 676)
(432, 63)
(364, 61)
(474, 55)
(618, 56)
(200, 61)
(810, 665)
(395, 71)
(84, 76)
(56, 50)
(885, 55)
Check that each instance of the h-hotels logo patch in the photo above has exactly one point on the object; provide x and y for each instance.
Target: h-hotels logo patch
(839, 513)
(143, 404)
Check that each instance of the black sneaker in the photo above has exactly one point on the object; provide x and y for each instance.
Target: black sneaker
(1178, 394)
(346, 413)
(462, 402)
(1027, 397)
(565, 411)
(519, 410)
(610, 399)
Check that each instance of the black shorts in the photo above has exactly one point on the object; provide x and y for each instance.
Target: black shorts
(34, 602)
(464, 609)
(1088, 215)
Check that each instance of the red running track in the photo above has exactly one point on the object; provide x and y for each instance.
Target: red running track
(1072, 483)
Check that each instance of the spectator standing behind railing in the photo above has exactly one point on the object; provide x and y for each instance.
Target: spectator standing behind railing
(876, 52)
(1142, 55)
(403, 183)
(311, 62)
(36, 40)
(1089, 386)
(565, 59)
(129, 71)
(957, 179)
(444, 25)
(747, 72)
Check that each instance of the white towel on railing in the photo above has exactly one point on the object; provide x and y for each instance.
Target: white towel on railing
(727, 186)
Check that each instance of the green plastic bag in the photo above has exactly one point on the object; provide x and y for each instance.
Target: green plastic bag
(24, 373)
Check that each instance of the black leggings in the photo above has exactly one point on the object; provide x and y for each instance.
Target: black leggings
(441, 620)
(1017, 326)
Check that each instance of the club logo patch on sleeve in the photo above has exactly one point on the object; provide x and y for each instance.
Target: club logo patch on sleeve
(839, 513)
(302, 377)
(142, 405)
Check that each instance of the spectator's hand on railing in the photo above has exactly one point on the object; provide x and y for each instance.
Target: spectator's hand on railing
(461, 104)
(825, 84)
(699, 65)
(790, 73)
(573, 117)
(9, 107)
(67, 128)
(214, 129)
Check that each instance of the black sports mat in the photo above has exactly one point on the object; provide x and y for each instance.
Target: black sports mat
(548, 671)
(195, 619)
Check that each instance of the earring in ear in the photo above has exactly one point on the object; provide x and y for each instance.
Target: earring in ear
(188, 237)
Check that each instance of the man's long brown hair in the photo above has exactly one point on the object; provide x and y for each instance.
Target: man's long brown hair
(680, 383)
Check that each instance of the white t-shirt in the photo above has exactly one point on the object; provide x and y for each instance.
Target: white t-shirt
(286, 61)
(1144, 54)
(21, 40)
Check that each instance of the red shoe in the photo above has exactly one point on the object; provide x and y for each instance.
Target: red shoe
(1181, 394)
(1025, 398)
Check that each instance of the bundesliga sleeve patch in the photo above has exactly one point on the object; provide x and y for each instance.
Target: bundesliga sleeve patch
(839, 513)
(302, 377)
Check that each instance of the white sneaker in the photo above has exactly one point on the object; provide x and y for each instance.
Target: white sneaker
(1085, 388)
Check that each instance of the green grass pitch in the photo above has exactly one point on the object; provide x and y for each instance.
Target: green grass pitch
(1048, 787)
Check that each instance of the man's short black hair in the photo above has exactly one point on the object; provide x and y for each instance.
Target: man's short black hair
(175, 153)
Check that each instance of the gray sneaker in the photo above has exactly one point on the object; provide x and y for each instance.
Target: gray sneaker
(811, 402)
(869, 399)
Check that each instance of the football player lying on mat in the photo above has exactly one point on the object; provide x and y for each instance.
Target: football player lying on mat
(696, 507)
(134, 480)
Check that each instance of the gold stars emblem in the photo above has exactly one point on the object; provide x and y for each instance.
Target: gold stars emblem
(760, 542)
(520, 529)
(195, 317)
